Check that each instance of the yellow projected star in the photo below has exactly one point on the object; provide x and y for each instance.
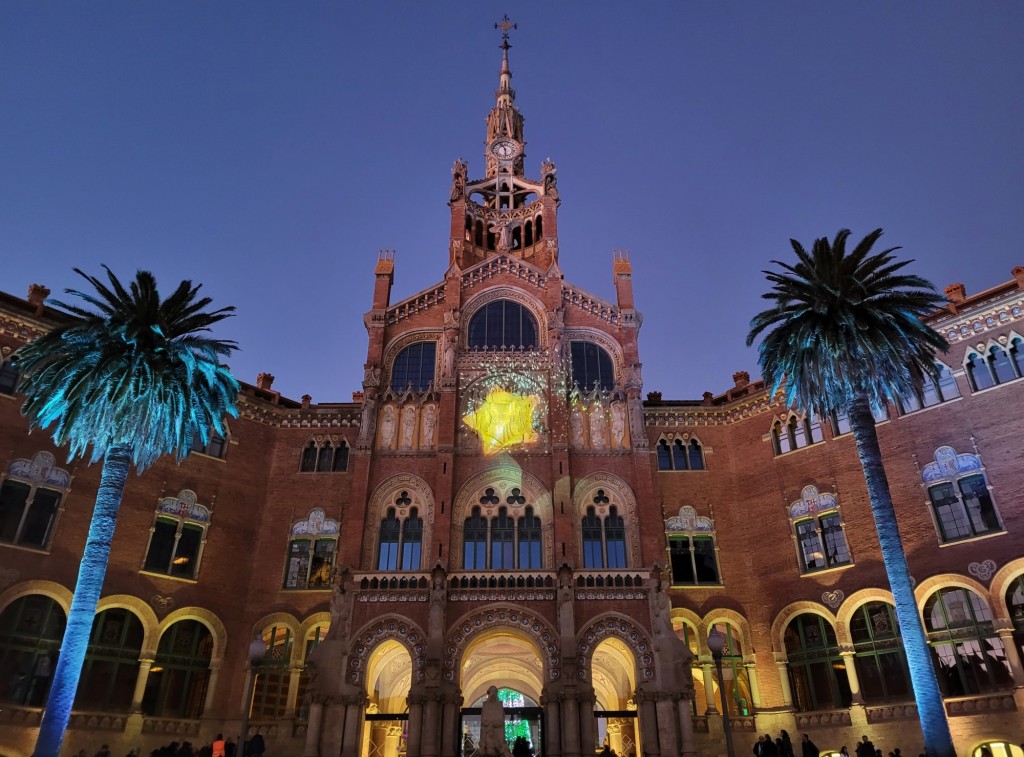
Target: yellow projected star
(503, 420)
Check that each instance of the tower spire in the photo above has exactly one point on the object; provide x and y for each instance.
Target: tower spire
(505, 95)
(504, 141)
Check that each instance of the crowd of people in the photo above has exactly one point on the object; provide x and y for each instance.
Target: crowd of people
(220, 747)
(782, 746)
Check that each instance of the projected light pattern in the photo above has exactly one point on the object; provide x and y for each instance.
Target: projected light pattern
(504, 419)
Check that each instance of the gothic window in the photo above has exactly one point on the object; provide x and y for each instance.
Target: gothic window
(31, 630)
(604, 539)
(795, 433)
(591, 366)
(177, 682)
(414, 367)
(8, 377)
(272, 675)
(111, 665)
(879, 660)
(840, 422)
(502, 325)
(177, 537)
(968, 654)
(1017, 354)
(959, 494)
(312, 551)
(215, 446)
(930, 392)
(528, 236)
(821, 541)
(401, 537)
(691, 547)
(412, 541)
(680, 455)
(817, 671)
(978, 372)
(324, 457)
(495, 539)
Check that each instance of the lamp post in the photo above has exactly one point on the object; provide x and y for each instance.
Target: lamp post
(716, 643)
(257, 648)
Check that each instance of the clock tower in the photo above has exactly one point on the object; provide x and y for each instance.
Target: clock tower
(504, 213)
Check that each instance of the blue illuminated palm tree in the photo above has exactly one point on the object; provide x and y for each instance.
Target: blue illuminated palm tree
(126, 378)
(844, 334)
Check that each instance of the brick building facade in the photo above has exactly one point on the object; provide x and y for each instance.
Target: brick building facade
(500, 506)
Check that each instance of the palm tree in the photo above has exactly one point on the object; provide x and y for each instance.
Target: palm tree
(127, 380)
(845, 334)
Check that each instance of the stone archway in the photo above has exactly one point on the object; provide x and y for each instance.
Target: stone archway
(508, 617)
(395, 627)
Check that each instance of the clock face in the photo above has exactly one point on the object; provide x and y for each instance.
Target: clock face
(504, 149)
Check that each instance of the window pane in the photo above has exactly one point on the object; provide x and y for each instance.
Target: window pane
(696, 455)
(978, 502)
(836, 549)
(591, 366)
(678, 455)
(389, 535)
(414, 367)
(322, 563)
(682, 562)
(502, 325)
(811, 549)
(161, 546)
(309, 456)
(324, 458)
(341, 458)
(412, 537)
(949, 512)
(39, 519)
(298, 564)
(664, 456)
(704, 558)
(12, 507)
(186, 558)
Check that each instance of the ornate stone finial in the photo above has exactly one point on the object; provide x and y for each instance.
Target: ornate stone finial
(506, 26)
(37, 295)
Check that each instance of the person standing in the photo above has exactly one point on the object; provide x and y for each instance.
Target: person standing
(808, 747)
(865, 748)
(256, 746)
(218, 746)
(787, 745)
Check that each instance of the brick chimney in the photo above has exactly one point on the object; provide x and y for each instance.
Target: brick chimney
(37, 295)
(708, 398)
(1018, 273)
(306, 400)
(264, 381)
(741, 379)
(654, 396)
(956, 293)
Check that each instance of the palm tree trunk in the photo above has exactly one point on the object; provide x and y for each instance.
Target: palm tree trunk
(931, 710)
(91, 572)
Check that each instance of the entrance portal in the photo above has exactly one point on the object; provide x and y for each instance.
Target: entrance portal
(614, 676)
(388, 679)
(511, 662)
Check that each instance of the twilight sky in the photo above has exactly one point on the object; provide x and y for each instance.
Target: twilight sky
(268, 149)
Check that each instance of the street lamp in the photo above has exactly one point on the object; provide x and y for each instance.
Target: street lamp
(716, 643)
(257, 648)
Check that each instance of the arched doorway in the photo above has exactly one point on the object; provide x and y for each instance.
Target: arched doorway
(510, 662)
(613, 674)
(388, 679)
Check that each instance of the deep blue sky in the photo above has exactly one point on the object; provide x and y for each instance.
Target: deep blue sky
(268, 150)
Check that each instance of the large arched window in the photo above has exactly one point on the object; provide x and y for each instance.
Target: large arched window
(272, 674)
(968, 654)
(324, 457)
(31, 630)
(30, 499)
(879, 659)
(961, 501)
(111, 662)
(313, 639)
(414, 367)
(312, 551)
(737, 684)
(177, 537)
(817, 672)
(494, 538)
(691, 547)
(1015, 602)
(591, 366)
(796, 433)
(401, 537)
(821, 540)
(180, 674)
(502, 325)
(680, 455)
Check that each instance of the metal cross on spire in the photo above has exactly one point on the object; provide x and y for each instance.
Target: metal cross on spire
(506, 26)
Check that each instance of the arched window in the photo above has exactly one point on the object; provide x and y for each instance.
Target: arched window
(930, 392)
(879, 659)
(817, 672)
(272, 675)
(737, 684)
(177, 682)
(324, 457)
(968, 654)
(821, 540)
(8, 377)
(495, 539)
(1017, 354)
(961, 501)
(978, 372)
(681, 455)
(604, 539)
(400, 546)
(691, 547)
(502, 325)
(311, 552)
(1015, 602)
(478, 234)
(528, 236)
(111, 664)
(1003, 368)
(591, 366)
(31, 630)
(177, 537)
(540, 227)
(27, 513)
(414, 367)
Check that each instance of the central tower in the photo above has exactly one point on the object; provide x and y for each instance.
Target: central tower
(504, 213)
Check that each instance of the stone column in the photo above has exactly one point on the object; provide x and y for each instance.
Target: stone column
(140, 684)
(685, 715)
(552, 726)
(787, 691)
(755, 690)
(353, 722)
(293, 691)
(450, 727)
(615, 737)
(588, 726)
(709, 688)
(430, 730)
(211, 686)
(668, 738)
(316, 714)
(648, 725)
(856, 698)
(393, 741)
(570, 721)
(417, 737)
(1005, 630)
